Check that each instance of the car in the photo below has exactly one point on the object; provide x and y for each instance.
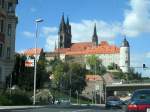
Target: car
(65, 101)
(113, 101)
(139, 102)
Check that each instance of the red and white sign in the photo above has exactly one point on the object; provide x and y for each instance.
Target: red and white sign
(29, 63)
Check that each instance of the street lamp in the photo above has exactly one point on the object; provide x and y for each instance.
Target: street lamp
(36, 36)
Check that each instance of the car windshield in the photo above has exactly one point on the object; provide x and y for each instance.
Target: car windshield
(142, 95)
(113, 99)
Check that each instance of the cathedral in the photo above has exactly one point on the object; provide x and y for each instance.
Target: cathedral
(67, 50)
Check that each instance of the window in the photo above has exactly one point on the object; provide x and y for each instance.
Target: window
(1, 50)
(0, 73)
(9, 30)
(2, 3)
(8, 52)
(10, 7)
(1, 25)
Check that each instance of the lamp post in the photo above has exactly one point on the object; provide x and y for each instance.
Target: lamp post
(35, 66)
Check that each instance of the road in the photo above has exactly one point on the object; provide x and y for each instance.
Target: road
(67, 109)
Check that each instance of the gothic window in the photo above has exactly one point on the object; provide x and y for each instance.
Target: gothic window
(9, 30)
(1, 49)
(1, 25)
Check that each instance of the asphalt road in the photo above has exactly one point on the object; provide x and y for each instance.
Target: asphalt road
(66, 109)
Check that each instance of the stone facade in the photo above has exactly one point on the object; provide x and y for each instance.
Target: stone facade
(8, 23)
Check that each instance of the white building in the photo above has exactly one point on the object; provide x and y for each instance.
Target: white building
(8, 23)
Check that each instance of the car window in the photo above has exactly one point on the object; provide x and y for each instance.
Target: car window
(142, 95)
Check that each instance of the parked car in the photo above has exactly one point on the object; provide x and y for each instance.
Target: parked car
(113, 101)
(62, 101)
(139, 102)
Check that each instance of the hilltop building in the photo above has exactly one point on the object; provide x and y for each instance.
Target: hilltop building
(8, 23)
(68, 51)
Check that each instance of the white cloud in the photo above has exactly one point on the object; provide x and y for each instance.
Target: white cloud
(148, 55)
(83, 31)
(21, 51)
(137, 19)
(50, 42)
(28, 34)
(48, 30)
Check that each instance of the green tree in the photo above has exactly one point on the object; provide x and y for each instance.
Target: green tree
(69, 76)
(95, 64)
(23, 76)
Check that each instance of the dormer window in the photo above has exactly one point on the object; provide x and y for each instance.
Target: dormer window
(10, 7)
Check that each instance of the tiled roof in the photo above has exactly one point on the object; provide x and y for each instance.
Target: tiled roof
(80, 46)
(31, 52)
(86, 48)
(75, 47)
(93, 78)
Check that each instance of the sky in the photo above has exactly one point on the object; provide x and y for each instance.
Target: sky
(114, 20)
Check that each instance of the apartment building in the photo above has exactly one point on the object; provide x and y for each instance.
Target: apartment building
(8, 23)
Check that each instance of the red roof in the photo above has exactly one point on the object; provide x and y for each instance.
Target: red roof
(31, 52)
(84, 48)
(93, 78)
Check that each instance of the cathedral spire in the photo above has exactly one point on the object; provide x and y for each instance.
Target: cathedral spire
(62, 24)
(95, 37)
(67, 20)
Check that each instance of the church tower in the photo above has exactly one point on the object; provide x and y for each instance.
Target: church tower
(64, 39)
(125, 56)
(95, 37)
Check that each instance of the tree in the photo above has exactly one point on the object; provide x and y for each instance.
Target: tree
(77, 74)
(23, 76)
(112, 66)
(69, 76)
(96, 66)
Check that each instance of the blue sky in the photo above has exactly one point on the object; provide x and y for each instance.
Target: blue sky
(114, 18)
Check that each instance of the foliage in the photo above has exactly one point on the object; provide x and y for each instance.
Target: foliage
(44, 96)
(68, 76)
(112, 66)
(15, 98)
(23, 76)
(132, 75)
(96, 66)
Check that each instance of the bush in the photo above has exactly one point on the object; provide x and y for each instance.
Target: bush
(4, 100)
(16, 98)
(20, 99)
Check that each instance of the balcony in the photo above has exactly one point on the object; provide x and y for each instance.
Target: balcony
(2, 37)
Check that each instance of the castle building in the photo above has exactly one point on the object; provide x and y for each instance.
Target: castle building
(79, 51)
(8, 23)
